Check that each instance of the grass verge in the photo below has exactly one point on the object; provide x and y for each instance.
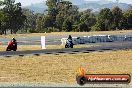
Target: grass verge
(65, 33)
(63, 68)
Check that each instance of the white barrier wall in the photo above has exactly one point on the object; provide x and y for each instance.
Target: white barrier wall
(128, 37)
(63, 41)
(98, 38)
(74, 40)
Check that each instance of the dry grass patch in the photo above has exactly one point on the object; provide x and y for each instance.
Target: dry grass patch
(64, 33)
(62, 68)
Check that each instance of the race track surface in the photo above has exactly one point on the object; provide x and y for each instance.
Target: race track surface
(50, 39)
(101, 48)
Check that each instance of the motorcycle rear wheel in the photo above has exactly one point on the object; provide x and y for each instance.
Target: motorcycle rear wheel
(66, 46)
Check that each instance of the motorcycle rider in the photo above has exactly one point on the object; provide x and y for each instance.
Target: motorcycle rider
(12, 45)
(70, 39)
(69, 43)
(15, 43)
(13, 40)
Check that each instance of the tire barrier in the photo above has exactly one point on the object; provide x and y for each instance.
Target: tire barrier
(98, 38)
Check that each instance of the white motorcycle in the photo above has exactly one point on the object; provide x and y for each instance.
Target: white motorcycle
(69, 44)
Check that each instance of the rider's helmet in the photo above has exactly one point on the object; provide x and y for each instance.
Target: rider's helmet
(13, 39)
(69, 37)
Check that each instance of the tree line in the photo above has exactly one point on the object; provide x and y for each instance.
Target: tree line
(61, 16)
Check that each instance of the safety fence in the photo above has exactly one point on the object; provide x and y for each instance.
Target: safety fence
(98, 38)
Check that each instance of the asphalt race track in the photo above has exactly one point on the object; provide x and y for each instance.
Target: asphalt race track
(55, 40)
(103, 47)
(108, 46)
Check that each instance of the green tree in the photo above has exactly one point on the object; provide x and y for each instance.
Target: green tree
(87, 20)
(128, 18)
(59, 21)
(117, 17)
(1, 22)
(39, 23)
(67, 10)
(18, 18)
(58, 12)
(14, 15)
(52, 10)
(82, 27)
(104, 20)
(30, 22)
(67, 25)
(47, 21)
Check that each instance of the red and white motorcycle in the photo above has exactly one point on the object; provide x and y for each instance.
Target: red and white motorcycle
(11, 46)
